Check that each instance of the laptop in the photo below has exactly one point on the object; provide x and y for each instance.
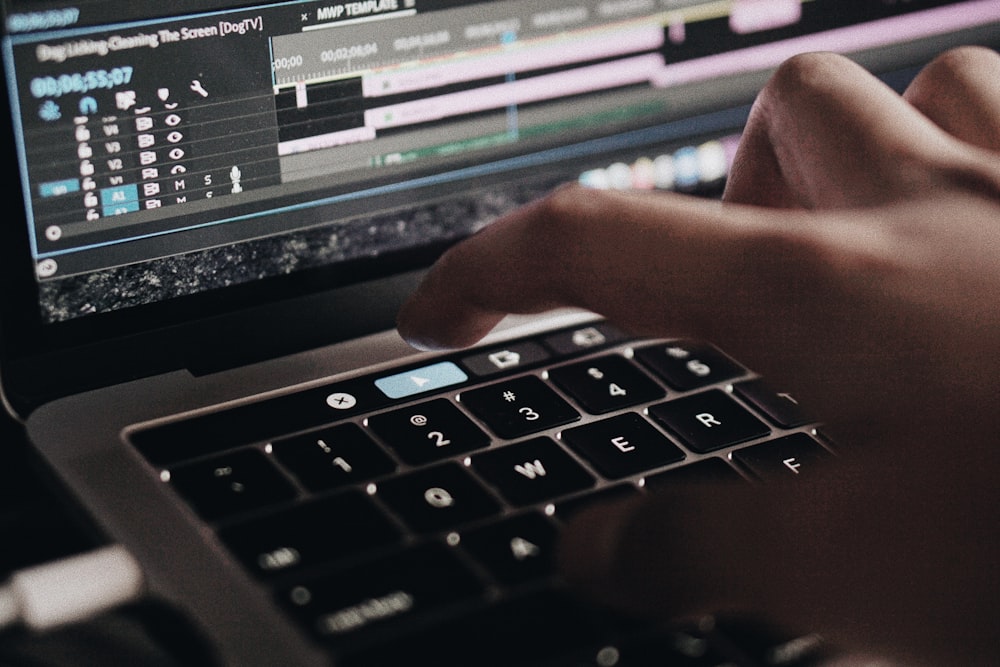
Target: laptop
(219, 206)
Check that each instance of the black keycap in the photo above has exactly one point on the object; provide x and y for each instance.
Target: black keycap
(532, 471)
(332, 457)
(321, 531)
(686, 364)
(343, 606)
(428, 432)
(622, 446)
(231, 484)
(438, 498)
(706, 471)
(519, 406)
(791, 456)
(606, 384)
(506, 359)
(515, 550)
(708, 421)
(780, 407)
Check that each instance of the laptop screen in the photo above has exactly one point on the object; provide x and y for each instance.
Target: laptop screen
(164, 153)
(168, 150)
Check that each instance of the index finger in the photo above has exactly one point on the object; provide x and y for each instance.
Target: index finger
(585, 248)
(778, 289)
(742, 277)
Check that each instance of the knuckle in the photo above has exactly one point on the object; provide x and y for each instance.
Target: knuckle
(565, 201)
(807, 72)
(946, 77)
(961, 63)
(567, 206)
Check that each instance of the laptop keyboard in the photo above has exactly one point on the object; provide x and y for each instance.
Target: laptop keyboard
(410, 517)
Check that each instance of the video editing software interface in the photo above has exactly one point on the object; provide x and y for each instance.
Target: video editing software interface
(165, 155)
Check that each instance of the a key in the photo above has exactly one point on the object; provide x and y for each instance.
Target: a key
(332, 457)
(428, 431)
(515, 550)
(437, 498)
(519, 406)
(780, 407)
(532, 471)
(606, 384)
(686, 364)
(231, 484)
(792, 456)
(321, 531)
(344, 606)
(708, 421)
(622, 446)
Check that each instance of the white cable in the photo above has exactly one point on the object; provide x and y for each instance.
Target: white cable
(70, 590)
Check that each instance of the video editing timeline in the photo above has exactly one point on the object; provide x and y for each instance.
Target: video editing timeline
(146, 154)
(124, 124)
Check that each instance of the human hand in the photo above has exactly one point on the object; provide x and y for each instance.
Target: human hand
(855, 260)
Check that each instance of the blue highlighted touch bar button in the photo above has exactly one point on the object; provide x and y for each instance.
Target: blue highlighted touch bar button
(420, 380)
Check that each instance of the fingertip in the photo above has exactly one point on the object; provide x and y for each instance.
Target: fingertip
(414, 331)
(421, 334)
(422, 344)
(430, 325)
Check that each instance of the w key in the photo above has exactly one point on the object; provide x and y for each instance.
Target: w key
(532, 471)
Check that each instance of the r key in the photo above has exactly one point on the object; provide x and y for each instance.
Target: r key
(708, 421)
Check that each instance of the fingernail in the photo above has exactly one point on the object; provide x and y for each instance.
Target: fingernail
(412, 334)
(417, 340)
(422, 344)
